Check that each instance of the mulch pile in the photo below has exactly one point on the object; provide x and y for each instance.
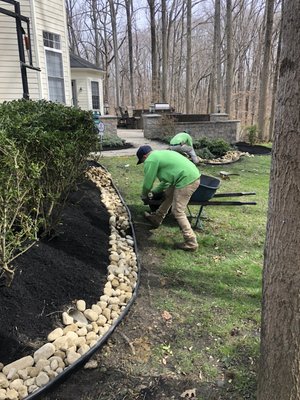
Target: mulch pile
(54, 273)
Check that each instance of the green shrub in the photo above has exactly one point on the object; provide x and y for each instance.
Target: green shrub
(205, 154)
(110, 140)
(60, 137)
(219, 147)
(252, 134)
(20, 199)
(214, 148)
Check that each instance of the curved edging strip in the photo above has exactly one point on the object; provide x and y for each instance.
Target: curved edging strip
(85, 357)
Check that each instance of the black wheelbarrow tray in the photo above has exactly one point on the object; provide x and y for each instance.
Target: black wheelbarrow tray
(204, 196)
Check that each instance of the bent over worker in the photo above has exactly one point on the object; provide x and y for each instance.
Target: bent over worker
(179, 178)
(183, 143)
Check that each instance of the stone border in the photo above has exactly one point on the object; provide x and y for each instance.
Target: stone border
(84, 330)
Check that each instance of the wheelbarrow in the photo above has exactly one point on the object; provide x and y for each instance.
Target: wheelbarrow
(204, 196)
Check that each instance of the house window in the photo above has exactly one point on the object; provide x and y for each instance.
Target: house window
(95, 95)
(54, 67)
(51, 40)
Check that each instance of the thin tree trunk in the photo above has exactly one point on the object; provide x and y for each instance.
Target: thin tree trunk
(229, 57)
(275, 82)
(214, 87)
(151, 4)
(269, 15)
(95, 30)
(116, 52)
(128, 5)
(188, 55)
(164, 51)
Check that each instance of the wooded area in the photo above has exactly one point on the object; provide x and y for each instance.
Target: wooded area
(199, 56)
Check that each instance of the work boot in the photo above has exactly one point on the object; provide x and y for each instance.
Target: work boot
(154, 219)
(190, 244)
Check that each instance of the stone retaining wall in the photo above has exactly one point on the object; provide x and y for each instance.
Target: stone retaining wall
(110, 124)
(218, 127)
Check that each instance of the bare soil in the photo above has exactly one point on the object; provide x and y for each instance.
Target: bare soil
(71, 266)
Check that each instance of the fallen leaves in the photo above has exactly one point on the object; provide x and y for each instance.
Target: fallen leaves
(166, 316)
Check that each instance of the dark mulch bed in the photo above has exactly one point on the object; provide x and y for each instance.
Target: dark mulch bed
(53, 273)
(125, 146)
(253, 149)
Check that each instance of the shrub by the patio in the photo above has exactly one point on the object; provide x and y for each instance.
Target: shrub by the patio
(57, 136)
(209, 149)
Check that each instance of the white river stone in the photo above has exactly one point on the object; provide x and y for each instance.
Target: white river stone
(56, 333)
(19, 364)
(44, 352)
(42, 379)
(81, 305)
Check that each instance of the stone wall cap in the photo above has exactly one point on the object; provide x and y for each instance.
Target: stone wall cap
(108, 116)
(150, 115)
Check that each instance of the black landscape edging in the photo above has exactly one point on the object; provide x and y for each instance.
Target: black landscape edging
(85, 357)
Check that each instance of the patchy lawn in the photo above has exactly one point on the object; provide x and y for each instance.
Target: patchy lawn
(196, 321)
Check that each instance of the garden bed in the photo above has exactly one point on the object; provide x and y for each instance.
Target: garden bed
(53, 273)
(253, 149)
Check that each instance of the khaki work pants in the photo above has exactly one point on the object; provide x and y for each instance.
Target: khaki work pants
(179, 199)
(185, 149)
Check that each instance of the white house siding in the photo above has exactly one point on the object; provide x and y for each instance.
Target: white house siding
(44, 15)
(83, 78)
(50, 16)
(10, 74)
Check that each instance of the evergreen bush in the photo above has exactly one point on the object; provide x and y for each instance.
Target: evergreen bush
(58, 137)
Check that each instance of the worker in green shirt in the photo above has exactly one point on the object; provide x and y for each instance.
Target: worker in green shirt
(183, 143)
(179, 178)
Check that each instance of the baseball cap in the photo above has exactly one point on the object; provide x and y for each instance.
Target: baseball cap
(142, 151)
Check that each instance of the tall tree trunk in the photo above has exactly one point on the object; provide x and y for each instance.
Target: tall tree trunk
(154, 97)
(116, 51)
(229, 57)
(215, 82)
(94, 20)
(279, 375)
(164, 50)
(188, 55)
(264, 76)
(70, 4)
(275, 82)
(128, 5)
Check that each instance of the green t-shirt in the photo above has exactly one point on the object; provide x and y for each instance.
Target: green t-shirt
(170, 168)
(182, 138)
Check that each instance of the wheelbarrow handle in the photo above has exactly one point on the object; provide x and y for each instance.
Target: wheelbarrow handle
(235, 194)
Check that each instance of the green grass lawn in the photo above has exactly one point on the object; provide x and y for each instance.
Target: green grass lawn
(213, 294)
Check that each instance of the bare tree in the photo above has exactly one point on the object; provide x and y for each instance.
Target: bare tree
(154, 63)
(116, 53)
(129, 10)
(229, 57)
(269, 14)
(73, 42)
(275, 82)
(188, 55)
(164, 50)
(215, 79)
